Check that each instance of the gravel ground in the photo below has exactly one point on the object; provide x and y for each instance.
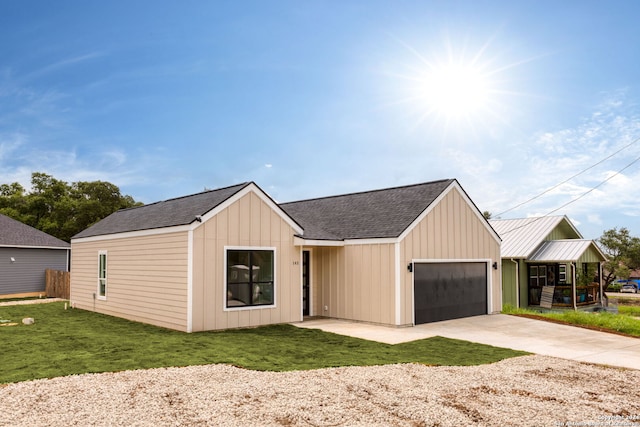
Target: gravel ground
(523, 391)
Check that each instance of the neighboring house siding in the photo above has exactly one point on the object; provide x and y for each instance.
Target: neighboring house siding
(27, 273)
(146, 278)
(452, 230)
(509, 295)
(249, 222)
(561, 232)
(590, 256)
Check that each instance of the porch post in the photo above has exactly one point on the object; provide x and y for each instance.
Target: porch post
(600, 277)
(573, 284)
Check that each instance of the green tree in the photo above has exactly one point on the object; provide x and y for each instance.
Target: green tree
(59, 208)
(623, 254)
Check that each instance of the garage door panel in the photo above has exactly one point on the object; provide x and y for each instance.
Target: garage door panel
(449, 290)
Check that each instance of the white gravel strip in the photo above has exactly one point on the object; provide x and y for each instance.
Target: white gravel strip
(31, 301)
(523, 391)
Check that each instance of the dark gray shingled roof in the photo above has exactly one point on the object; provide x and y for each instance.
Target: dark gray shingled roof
(168, 213)
(15, 233)
(366, 215)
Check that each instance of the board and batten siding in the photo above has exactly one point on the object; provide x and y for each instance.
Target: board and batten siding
(451, 230)
(248, 223)
(26, 273)
(591, 255)
(509, 283)
(354, 282)
(146, 278)
(327, 268)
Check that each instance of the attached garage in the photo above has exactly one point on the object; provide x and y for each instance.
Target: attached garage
(449, 290)
(348, 256)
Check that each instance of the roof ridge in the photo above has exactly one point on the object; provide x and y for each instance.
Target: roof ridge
(367, 191)
(242, 184)
(527, 217)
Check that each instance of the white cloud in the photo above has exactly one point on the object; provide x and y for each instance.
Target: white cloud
(10, 143)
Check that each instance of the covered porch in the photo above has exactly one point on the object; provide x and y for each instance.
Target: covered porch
(565, 274)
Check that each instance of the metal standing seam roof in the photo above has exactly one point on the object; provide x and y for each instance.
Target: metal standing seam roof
(562, 250)
(384, 213)
(522, 236)
(16, 234)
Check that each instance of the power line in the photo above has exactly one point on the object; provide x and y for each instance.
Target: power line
(637, 159)
(570, 178)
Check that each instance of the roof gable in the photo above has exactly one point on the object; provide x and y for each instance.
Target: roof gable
(385, 213)
(167, 213)
(564, 250)
(16, 234)
(522, 236)
(181, 211)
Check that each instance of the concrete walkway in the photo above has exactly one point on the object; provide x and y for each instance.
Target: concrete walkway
(501, 330)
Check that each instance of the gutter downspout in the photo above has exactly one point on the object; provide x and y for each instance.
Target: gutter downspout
(573, 285)
(517, 281)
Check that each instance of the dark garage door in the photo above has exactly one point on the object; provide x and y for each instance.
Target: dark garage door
(449, 290)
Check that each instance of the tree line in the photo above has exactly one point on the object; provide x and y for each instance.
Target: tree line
(64, 209)
(59, 208)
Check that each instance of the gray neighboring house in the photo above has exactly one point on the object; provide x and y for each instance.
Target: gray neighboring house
(25, 254)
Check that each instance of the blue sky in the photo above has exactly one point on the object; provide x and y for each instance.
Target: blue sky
(315, 98)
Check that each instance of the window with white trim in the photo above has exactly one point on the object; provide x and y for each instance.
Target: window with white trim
(102, 275)
(250, 277)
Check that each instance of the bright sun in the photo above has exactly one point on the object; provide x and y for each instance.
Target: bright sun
(455, 90)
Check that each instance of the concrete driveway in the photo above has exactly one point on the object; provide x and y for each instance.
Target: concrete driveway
(501, 330)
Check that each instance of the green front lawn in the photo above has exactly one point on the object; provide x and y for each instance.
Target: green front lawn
(626, 321)
(65, 342)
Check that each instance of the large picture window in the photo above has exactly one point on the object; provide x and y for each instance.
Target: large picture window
(250, 277)
(102, 274)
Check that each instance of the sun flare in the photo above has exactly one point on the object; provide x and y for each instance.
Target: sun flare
(455, 90)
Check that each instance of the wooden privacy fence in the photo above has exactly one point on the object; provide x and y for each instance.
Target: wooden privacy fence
(57, 284)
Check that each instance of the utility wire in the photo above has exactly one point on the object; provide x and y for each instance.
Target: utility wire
(637, 159)
(569, 179)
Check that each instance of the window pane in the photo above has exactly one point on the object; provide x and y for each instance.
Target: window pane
(250, 277)
(263, 293)
(102, 274)
(262, 269)
(238, 267)
(102, 269)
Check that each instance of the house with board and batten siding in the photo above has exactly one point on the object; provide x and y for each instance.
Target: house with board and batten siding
(233, 257)
(549, 253)
(25, 254)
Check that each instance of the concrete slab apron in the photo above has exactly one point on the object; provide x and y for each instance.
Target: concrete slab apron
(534, 336)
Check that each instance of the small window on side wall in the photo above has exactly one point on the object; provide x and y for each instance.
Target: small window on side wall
(250, 277)
(562, 273)
(102, 275)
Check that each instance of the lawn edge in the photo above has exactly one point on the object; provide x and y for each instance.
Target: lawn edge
(562, 322)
